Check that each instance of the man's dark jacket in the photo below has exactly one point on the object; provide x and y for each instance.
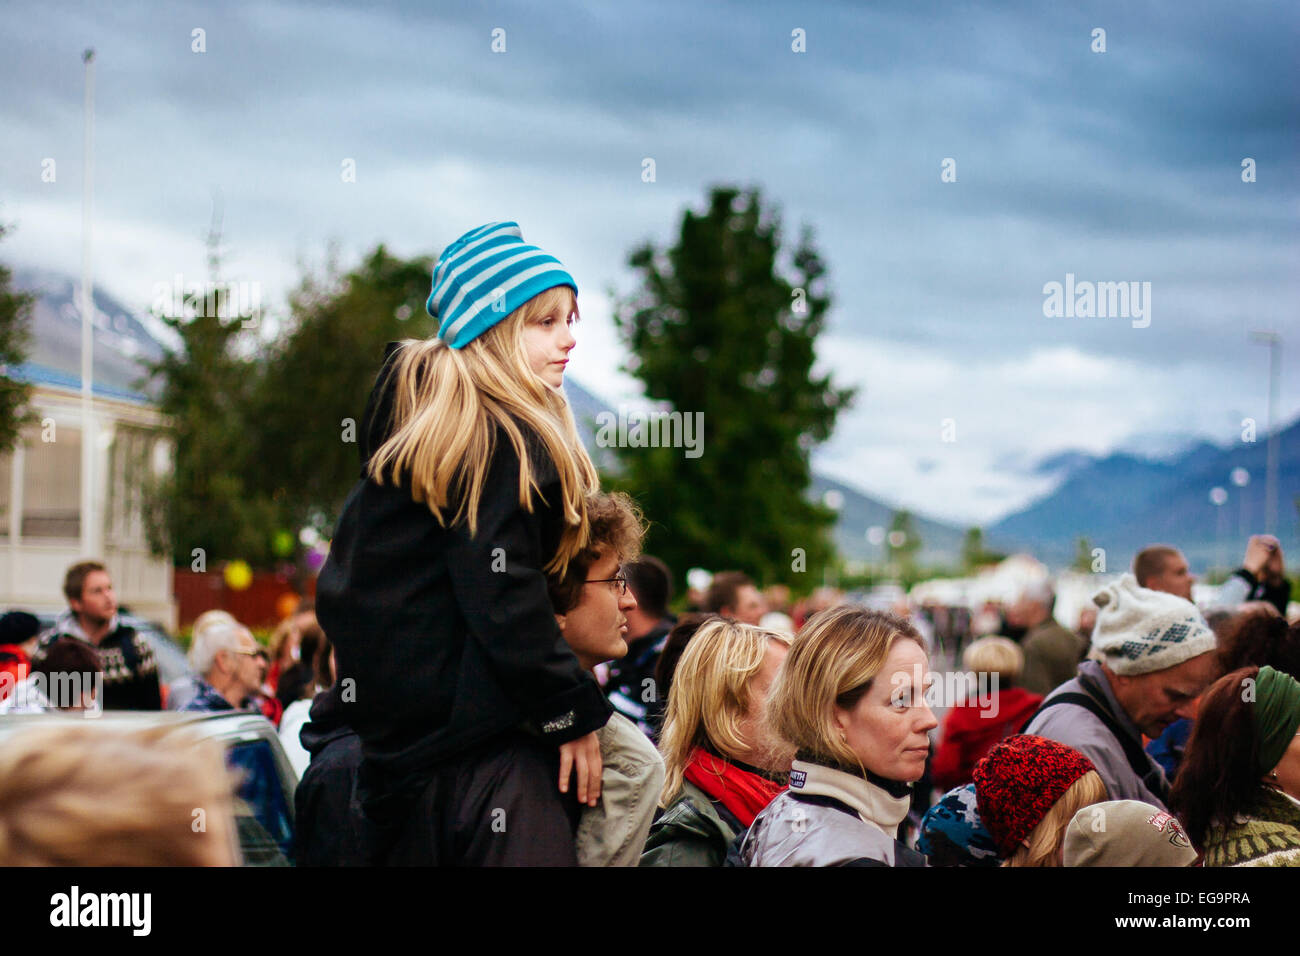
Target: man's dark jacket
(442, 640)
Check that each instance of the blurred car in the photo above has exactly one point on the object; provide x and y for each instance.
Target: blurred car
(265, 818)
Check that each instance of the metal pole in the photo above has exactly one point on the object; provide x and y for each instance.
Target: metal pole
(1270, 488)
(89, 539)
(1274, 343)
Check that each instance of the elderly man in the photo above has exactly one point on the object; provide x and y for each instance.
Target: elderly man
(1157, 656)
(226, 656)
(1052, 653)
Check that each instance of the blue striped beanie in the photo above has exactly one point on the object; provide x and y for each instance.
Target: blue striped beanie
(484, 276)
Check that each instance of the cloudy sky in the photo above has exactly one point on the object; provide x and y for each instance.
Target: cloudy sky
(1122, 165)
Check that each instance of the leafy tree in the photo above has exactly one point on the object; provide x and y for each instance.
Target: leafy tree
(316, 378)
(15, 337)
(266, 431)
(724, 325)
(903, 542)
(974, 552)
(1082, 555)
(206, 503)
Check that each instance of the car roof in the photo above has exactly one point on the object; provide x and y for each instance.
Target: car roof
(219, 724)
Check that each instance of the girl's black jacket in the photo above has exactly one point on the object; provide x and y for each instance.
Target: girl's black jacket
(444, 640)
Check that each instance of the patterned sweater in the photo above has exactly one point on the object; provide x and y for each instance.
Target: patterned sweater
(1270, 837)
(130, 673)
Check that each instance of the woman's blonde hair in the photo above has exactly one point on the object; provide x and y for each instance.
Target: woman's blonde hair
(710, 696)
(97, 796)
(448, 405)
(995, 655)
(832, 662)
(1045, 840)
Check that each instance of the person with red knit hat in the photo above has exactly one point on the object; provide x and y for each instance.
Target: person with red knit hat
(1027, 790)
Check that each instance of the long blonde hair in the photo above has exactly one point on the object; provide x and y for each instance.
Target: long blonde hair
(447, 407)
(710, 696)
(1045, 839)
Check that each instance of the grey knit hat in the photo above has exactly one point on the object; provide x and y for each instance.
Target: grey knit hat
(1139, 630)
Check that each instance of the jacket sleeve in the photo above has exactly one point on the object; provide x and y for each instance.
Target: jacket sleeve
(1236, 590)
(614, 832)
(498, 582)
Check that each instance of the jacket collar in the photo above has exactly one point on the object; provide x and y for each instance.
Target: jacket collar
(67, 625)
(1092, 676)
(872, 803)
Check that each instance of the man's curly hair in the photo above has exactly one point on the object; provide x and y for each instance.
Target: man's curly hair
(616, 525)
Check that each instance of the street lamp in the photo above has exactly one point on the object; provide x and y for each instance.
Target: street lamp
(1241, 478)
(1274, 343)
(1217, 497)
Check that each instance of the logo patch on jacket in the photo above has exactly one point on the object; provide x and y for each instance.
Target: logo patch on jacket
(797, 779)
(563, 722)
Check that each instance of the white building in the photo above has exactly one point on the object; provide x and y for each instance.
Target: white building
(40, 479)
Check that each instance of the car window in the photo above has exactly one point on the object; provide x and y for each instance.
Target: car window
(262, 789)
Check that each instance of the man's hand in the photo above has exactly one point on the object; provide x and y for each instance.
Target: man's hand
(582, 756)
(1274, 570)
(1260, 552)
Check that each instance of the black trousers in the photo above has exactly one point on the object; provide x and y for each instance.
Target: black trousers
(498, 805)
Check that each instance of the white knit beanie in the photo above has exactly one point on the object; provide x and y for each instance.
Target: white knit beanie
(1139, 630)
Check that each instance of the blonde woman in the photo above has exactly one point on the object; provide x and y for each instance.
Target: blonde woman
(720, 763)
(1027, 790)
(851, 700)
(434, 594)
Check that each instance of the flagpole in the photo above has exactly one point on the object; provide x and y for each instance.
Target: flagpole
(89, 537)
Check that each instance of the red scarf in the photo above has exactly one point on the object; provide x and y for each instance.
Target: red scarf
(742, 792)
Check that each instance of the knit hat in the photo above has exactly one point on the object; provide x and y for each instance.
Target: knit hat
(952, 833)
(1125, 833)
(17, 627)
(484, 276)
(1139, 630)
(1276, 715)
(1019, 781)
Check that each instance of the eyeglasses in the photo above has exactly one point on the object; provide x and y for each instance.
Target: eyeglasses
(619, 581)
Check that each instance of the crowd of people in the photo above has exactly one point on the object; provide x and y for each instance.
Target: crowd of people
(491, 674)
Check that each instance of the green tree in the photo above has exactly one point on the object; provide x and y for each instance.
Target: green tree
(317, 376)
(1082, 555)
(206, 503)
(974, 551)
(15, 338)
(266, 427)
(723, 326)
(903, 542)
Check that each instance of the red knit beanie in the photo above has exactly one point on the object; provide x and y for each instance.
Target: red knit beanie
(1017, 783)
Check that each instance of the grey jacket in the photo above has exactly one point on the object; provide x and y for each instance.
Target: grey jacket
(613, 832)
(828, 818)
(1080, 729)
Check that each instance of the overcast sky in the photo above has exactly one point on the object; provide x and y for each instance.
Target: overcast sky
(1123, 165)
